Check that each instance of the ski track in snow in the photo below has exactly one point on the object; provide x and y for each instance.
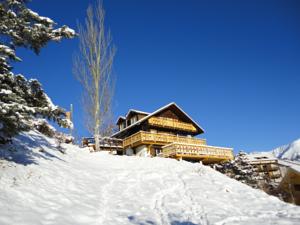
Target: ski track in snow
(98, 188)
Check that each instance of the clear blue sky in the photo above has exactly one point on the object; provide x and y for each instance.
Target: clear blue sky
(234, 66)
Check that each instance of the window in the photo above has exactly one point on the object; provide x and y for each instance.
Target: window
(297, 187)
(122, 126)
(262, 157)
(157, 151)
(133, 120)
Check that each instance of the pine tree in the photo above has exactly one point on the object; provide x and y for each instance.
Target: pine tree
(22, 101)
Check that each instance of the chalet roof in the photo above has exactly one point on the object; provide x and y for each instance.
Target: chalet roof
(261, 156)
(292, 167)
(120, 118)
(199, 128)
(136, 111)
(290, 164)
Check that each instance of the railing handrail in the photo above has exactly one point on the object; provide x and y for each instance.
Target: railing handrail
(172, 135)
(168, 119)
(170, 122)
(196, 145)
(172, 149)
(178, 144)
(174, 152)
(168, 138)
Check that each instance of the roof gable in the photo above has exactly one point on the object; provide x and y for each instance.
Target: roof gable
(174, 108)
(120, 119)
(131, 111)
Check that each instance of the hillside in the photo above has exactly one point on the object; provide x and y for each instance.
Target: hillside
(289, 151)
(46, 186)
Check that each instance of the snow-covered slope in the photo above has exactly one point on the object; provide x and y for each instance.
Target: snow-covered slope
(288, 152)
(48, 187)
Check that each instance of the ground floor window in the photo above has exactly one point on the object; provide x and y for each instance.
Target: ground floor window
(297, 187)
(157, 151)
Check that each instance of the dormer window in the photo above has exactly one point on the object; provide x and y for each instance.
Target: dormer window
(261, 157)
(133, 119)
(121, 123)
(122, 126)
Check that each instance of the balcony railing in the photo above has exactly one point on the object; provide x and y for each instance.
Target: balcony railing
(179, 150)
(143, 137)
(171, 124)
(105, 143)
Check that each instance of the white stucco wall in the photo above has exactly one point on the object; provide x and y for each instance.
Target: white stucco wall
(129, 152)
(142, 151)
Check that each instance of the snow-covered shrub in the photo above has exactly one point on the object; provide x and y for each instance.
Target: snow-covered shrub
(241, 170)
(44, 127)
(23, 101)
(64, 138)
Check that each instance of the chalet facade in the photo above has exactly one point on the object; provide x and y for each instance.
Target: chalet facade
(290, 182)
(284, 174)
(267, 166)
(167, 132)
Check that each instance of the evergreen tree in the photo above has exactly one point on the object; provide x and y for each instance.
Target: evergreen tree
(22, 101)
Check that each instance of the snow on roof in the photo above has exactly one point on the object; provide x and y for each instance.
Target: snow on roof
(188, 116)
(120, 118)
(155, 112)
(261, 156)
(131, 110)
(136, 111)
(291, 164)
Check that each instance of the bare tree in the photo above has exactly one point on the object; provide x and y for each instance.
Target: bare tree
(93, 68)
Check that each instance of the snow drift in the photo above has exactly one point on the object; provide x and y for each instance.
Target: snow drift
(45, 186)
(288, 152)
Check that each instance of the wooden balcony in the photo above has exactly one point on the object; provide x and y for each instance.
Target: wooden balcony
(171, 124)
(105, 143)
(205, 153)
(143, 137)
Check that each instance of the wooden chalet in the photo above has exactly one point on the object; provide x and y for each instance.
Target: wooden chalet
(167, 132)
(266, 165)
(290, 183)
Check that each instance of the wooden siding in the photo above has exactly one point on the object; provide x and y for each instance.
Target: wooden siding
(169, 114)
(140, 116)
(171, 124)
(290, 184)
(143, 137)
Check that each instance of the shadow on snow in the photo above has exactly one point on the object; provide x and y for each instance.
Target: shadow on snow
(27, 148)
(134, 220)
